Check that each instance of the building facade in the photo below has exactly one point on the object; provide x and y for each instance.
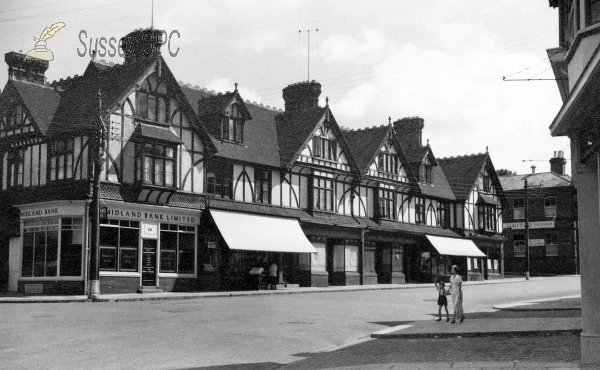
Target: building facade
(551, 203)
(576, 65)
(197, 188)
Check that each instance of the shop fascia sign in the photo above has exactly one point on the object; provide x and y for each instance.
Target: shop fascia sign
(537, 242)
(151, 214)
(51, 209)
(532, 225)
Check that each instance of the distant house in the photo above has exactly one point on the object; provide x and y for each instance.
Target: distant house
(551, 204)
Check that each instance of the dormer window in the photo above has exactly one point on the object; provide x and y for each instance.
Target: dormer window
(60, 155)
(388, 163)
(324, 148)
(232, 127)
(152, 100)
(426, 171)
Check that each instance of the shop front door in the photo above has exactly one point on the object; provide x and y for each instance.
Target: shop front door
(149, 262)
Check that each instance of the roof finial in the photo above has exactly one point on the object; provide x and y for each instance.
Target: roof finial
(390, 120)
(93, 55)
(427, 142)
(327, 101)
(235, 87)
(486, 149)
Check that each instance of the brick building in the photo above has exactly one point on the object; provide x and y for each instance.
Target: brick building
(551, 201)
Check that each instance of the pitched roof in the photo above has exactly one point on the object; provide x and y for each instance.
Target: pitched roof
(260, 135)
(41, 101)
(440, 188)
(543, 180)
(463, 171)
(79, 103)
(365, 144)
(294, 129)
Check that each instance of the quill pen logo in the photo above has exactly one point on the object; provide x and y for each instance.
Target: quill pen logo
(40, 52)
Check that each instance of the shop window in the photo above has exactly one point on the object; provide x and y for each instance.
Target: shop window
(71, 246)
(60, 156)
(518, 208)
(387, 204)
(551, 245)
(318, 260)
(14, 170)
(177, 248)
(388, 163)
(155, 164)
(262, 185)
(211, 257)
(323, 194)
(152, 101)
(40, 248)
(324, 148)
(232, 126)
(487, 218)
(369, 260)
(550, 206)
(119, 245)
(219, 178)
(592, 12)
(420, 211)
(351, 257)
(425, 262)
(441, 265)
(519, 245)
(338, 258)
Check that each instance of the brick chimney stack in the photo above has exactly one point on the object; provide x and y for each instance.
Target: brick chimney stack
(557, 164)
(301, 95)
(410, 132)
(30, 70)
(141, 44)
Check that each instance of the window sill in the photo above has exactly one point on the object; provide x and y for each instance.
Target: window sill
(240, 143)
(121, 274)
(51, 278)
(149, 121)
(175, 275)
(333, 161)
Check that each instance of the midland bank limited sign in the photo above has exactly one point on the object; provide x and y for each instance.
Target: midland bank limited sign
(532, 225)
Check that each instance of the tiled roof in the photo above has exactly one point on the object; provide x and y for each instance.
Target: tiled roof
(416, 155)
(187, 201)
(440, 187)
(294, 129)
(365, 144)
(78, 108)
(462, 172)
(544, 180)
(41, 101)
(211, 104)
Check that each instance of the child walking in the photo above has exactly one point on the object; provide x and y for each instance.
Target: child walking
(442, 300)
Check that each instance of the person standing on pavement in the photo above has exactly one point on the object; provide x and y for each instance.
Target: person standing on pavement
(273, 273)
(442, 300)
(457, 295)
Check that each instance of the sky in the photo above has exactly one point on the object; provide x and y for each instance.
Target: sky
(443, 61)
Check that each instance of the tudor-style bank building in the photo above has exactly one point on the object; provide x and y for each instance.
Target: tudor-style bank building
(198, 188)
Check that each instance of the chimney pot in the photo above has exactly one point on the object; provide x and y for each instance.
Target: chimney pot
(533, 169)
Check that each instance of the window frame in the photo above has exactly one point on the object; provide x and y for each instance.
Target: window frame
(319, 185)
(550, 210)
(518, 207)
(387, 204)
(551, 244)
(61, 159)
(153, 152)
(443, 216)
(179, 231)
(325, 148)
(388, 163)
(222, 175)
(487, 218)
(15, 164)
(147, 93)
(420, 211)
(519, 241)
(232, 125)
(119, 247)
(589, 16)
(262, 185)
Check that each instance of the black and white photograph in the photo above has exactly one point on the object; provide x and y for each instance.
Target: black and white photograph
(301, 184)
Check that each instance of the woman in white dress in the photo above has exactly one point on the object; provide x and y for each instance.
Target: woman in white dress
(457, 295)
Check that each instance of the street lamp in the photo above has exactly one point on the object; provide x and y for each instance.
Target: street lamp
(97, 145)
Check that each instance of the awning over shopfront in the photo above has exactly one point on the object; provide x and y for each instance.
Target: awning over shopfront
(249, 232)
(455, 247)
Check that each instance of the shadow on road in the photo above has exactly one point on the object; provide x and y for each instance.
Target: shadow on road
(254, 366)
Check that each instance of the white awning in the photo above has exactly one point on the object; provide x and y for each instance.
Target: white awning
(455, 247)
(243, 231)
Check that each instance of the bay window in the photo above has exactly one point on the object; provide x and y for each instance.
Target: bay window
(61, 160)
(487, 217)
(155, 164)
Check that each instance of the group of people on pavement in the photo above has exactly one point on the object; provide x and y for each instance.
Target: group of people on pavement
(455, 291)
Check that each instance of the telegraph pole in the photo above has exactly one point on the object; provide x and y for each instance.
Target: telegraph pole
(97, 148)
(526, 232)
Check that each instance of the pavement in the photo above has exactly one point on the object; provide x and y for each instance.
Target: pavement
(7, 297)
